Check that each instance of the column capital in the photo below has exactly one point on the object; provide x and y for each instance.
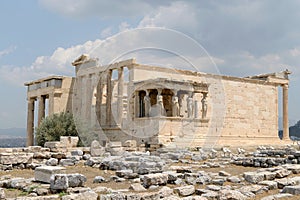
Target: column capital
(285, 86)
(159, 90)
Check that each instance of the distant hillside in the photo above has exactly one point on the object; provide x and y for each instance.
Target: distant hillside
(294, 131)
(13, 132)
(291, 122)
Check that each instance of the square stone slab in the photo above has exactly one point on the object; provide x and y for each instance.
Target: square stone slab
(44, 173)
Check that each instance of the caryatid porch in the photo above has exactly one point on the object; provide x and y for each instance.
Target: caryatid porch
(170, 98)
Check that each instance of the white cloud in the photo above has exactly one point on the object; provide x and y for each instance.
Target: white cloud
(178, 15)
(106, 32)
(7, 51)
(59, 63)
(101, 8)
(295, 52)
(241, 37)
(124, 26)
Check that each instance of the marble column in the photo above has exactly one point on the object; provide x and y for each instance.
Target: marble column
(99, 95)
(120, 95)
(108, 97)
(30, 122)
(88, 98)
(285, 94)
(51, 104)
(41, 111)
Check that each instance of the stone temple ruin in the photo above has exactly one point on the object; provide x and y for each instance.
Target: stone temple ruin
(157, 106)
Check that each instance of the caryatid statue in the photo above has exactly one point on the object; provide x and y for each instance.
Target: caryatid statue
(204, 106)
(175, 108)
(147, 105)
(160, 105)
(190, 107)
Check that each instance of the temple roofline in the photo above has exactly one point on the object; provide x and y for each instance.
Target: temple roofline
(46, 79)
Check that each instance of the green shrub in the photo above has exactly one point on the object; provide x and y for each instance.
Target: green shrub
(54, 126)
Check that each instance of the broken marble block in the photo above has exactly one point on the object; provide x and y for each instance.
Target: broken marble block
(44, 173)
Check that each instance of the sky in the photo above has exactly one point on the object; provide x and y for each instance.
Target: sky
(42, 37)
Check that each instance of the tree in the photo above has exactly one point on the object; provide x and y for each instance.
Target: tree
(54, 126)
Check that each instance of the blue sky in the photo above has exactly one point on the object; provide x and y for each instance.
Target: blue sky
(39, 38)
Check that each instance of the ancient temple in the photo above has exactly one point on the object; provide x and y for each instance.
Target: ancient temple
(165, 107)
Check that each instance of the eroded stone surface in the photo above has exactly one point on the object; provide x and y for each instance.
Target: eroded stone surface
(44, 173)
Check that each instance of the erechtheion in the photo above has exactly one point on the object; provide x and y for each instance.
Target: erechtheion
(162, 106)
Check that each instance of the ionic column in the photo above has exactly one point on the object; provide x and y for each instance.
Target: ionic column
(120, 95)
(99, 95)
(285, 96)
(51, 104)
(88, 97)
(108, 97)
(41, 111)
(30, 122)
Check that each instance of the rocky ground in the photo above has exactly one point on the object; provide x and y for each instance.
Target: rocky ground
(113, 174)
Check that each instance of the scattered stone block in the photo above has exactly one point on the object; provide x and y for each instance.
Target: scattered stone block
(52, 162)
(90, 195)
(101, 189)
(232, 195)
(255, 189)
(223, 173)
(130, 143)
(293, 189)
(67, 162)
(294, 168)
(15, 158)
(194, 198)
(282, 173)
(44, 173)
(76, 180)
(2, 193)
(96, 149)
(165, 191)
(59, 182)
(277, 196)
(234, 179)
(137, 187)
(99, 179)
(53, 146)
(69, 141)
(117, 196)
(281, 183)
(172, 197)
(272, 185)
(77, 152)
(218, 181)
(253, 177)
(185, 190)
(213, 187)
(155, 179)
(211, 195)
(269, 175)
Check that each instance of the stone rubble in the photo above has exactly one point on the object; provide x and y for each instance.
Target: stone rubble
(164, 174)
